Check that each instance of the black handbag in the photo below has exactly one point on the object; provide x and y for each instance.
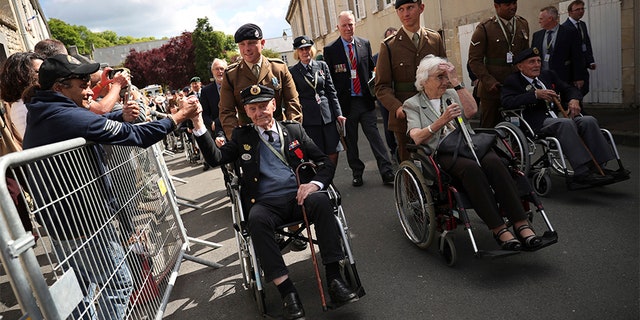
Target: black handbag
(453, 144)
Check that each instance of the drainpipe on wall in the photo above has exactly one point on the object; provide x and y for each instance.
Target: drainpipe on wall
(20, 20)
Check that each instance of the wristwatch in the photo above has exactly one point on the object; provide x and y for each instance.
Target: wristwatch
(458, 87)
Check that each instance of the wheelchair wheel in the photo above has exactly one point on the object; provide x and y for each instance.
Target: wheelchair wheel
(518, 143)
(541, 183)
(414, 205)
(448, 250)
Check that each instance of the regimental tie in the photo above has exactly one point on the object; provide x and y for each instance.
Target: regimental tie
(354, 67)
(416, 39)
(536, 83)
(256, 70)
(269, 134)
(549, 42)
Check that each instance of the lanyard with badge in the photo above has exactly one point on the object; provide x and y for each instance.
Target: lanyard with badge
(513, 37)
(314, 85)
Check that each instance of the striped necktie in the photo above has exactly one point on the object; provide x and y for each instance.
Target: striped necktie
(354, 66)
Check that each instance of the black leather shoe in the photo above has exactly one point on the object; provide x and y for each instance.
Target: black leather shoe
(618, 174)
(340, 293)
(357, 181)
(292, 307)
(388, 178)
(298, 245)
(593, 178)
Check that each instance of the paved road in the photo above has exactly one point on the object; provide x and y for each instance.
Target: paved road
(592, 273)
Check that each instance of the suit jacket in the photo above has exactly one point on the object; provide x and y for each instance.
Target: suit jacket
(518, 92)
(488, 52)
(566, 59)
(315, 113)
(396, 70)
(244, 150)
(585, 42)
(274, 74)
(209, 99)
(336, 58)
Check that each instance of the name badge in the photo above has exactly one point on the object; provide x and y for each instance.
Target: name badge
(509, 57)
(354, 74)
(547, 57)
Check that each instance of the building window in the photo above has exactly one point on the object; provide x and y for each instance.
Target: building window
(359, 10)
(284, 58)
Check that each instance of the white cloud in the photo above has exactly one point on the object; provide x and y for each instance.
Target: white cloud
(142, 18)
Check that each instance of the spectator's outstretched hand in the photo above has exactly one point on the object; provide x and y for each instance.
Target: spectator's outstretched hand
(131, 111)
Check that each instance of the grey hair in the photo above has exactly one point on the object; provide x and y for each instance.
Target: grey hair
(348, 13)
(427, 65)
(218, 60)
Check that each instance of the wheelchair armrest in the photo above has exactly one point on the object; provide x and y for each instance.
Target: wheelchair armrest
(412, 147)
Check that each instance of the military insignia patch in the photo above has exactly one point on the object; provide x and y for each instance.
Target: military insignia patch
(246, 147)
(255, 90)
(245, 157)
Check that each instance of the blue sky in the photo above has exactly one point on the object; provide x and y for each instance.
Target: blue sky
(140, 18)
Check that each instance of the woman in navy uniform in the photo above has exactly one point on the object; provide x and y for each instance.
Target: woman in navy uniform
(320, 107)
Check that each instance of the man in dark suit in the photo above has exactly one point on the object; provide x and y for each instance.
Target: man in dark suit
(267, 153)
(210, 98)
(351, 65)
(576, 11)
(535, 90)
(560, 48)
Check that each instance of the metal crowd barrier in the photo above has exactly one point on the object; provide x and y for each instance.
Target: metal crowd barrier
(111, 239)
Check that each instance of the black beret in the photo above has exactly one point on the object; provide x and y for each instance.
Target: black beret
(504, 1)
(526, 54)
(302, 42)
(63, 66)
(256, 93)
(401, 2)
(248, 31)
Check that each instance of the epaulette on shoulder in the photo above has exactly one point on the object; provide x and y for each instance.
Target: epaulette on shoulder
(389, 38)
(276, 60)
(289, 122)
(232, 66)
(521, 18)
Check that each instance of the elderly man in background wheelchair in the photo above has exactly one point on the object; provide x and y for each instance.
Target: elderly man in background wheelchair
(267, 153)
(430, 114)
(539, 92)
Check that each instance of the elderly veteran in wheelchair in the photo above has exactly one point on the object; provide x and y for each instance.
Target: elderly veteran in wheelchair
(268, 152)
(539, 92)
(430, 114)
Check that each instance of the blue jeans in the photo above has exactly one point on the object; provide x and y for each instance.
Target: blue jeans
(101, 268)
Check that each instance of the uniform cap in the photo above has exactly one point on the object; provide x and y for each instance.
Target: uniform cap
(256, 93)
(63, 66)
(248, 31)
(302, 42)
(401, 2)
(526, 54)
(194, 79)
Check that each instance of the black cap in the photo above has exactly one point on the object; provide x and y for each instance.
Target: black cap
(526, 54)
(302, 42)
(194, 79)
(248, 31)
(256, 93)
(63, 66)
(504, 1)
(401, 2)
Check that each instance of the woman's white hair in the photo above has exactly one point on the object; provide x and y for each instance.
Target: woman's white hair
(428, 65)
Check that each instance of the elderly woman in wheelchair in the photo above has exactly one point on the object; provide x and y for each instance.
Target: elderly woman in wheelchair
(430, 117)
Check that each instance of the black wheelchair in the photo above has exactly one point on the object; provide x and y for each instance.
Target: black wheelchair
(428, 202)
(538, 155)
(251, 271)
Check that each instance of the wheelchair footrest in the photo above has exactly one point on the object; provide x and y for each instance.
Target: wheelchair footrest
(493, 254)
(548, 238)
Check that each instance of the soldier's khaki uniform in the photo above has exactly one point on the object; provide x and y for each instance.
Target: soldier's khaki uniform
(396, 75)
(488, 61)
(274, 74)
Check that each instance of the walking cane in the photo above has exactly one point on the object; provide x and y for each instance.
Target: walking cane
(467, 136)
(313, 251)
(566, 115)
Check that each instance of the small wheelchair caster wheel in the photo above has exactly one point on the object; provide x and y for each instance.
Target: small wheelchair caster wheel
(448, 250)
(541, 183)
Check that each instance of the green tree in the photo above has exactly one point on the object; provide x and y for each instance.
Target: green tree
(269, 53)
(209, 44)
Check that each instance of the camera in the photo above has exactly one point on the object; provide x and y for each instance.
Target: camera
(113, 72)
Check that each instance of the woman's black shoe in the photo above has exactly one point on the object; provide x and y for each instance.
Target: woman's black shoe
(512, 244)
(530, 242)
